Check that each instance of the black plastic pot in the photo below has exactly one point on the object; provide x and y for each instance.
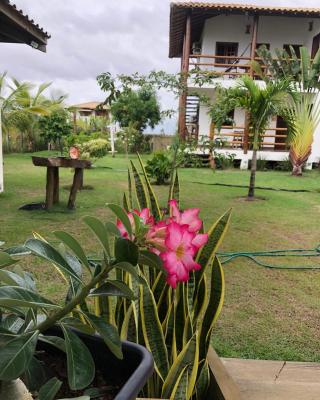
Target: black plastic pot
(134, 369)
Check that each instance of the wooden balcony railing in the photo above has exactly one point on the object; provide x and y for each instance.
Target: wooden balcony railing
(217, 65)
(232, 137)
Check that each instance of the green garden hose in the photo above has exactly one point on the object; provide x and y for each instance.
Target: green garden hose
(227, 257)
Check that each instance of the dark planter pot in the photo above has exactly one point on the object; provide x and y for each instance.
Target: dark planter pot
(134, 369)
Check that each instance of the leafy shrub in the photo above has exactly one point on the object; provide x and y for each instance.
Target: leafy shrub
(159, 168)
(262, 164)
(284, 165)
(96, 148)
(224, 161)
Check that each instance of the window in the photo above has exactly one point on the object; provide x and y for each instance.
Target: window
(295, 47)
(227, 49)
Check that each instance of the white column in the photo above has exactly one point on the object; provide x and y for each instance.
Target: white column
(1, 151)
(112, 129)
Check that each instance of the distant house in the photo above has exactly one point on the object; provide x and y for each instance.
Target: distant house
(223, 38)
(15, 27)
(86, 111)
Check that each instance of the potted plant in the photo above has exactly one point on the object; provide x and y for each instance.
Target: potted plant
(67, 350)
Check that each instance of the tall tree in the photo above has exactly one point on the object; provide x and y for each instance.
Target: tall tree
(261, 101)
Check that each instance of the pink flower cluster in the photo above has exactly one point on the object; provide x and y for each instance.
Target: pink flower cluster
(176, 240)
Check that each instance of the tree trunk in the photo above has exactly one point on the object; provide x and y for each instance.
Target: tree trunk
(297, 170)
(253, 174)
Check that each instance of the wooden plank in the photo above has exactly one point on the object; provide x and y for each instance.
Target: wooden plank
(56, 186)
(77, 179)
(50, 187)
(60, 162)
(223, 386)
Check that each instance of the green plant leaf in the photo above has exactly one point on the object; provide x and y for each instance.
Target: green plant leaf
(140, 189)
(122, 216)
(206, 254)
(155, 208)
(127, 251)
(188, 357)
(20, 297)
(215, 303)
(16, 355)
(180, 388)
(49, 253)
(80, 364)
(49, 390)
(54, 341)
(75, 246)
(34, 375)
(100, 231)
(112, 229)
(152, 331)
(113, 288)
(77, 398)
(127, 267)
(6, 260)
(12, 279)
(108, 332)
(151, 260)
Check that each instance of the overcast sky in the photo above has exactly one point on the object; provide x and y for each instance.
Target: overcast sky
(94, 36)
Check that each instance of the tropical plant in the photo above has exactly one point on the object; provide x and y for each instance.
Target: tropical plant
(159, 168)
(55, 127)
(180, 295)
(261, 103)
(26, 315)
(95, 148)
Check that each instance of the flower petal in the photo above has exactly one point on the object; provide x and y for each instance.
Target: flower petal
(200, 240)
(174, 210)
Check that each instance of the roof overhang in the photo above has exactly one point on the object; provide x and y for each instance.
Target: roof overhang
(199, 12)
(15, 27)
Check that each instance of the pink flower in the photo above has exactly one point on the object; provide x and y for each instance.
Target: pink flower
(181, 247)
(146, 219)
(156, 236)
(188, 217)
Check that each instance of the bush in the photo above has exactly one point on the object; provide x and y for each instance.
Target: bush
(262, 164)
(224, 161)
(96, 148)
(284, 165)
(159, 168)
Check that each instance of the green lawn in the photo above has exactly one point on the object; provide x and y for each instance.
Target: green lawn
(268, 313)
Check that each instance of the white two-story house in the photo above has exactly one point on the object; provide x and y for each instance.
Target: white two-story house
(223, 38)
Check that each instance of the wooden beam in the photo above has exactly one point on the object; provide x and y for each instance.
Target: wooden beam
(184, 76)
(254, 41)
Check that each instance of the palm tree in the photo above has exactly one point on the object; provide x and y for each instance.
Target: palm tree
(262, 101)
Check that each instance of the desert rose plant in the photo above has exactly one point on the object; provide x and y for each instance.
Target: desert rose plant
(181, 291)
(26, 315)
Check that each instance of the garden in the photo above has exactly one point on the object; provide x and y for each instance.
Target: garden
(122, 294)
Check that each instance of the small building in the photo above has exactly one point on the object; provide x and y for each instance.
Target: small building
(224, 38)
(92, 109)
(15, 27)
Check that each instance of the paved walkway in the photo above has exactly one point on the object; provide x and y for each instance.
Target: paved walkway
(275, 380)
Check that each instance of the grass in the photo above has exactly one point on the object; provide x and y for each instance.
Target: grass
(270, 314)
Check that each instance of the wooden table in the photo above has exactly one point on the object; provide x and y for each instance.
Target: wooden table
(52, 187)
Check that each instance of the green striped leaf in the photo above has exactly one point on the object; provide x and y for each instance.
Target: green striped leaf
(188, 357)
(140, 189)
(216, 235)
(155, 208)
(152, 331)
(215, 303)
(180, 388)
(174, 191)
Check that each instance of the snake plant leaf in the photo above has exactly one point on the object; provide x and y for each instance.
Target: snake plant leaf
(188, 357)
(100, 231)
(113, 288)
(125, 202)
(151, 260)
(122, 216)
(80, 364)
(152, 331)
(203, 381)
(49, 253)
(49, 390)
(154, 204)
(78, 398)
(16, 355)
(180, 388)
(126, 251)
(20, 297)
(75, 246)
(216, 235)
(174, 191)
(112, 229)
(140, 189)
(6, 260)
(215, 303)
(108, 332)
